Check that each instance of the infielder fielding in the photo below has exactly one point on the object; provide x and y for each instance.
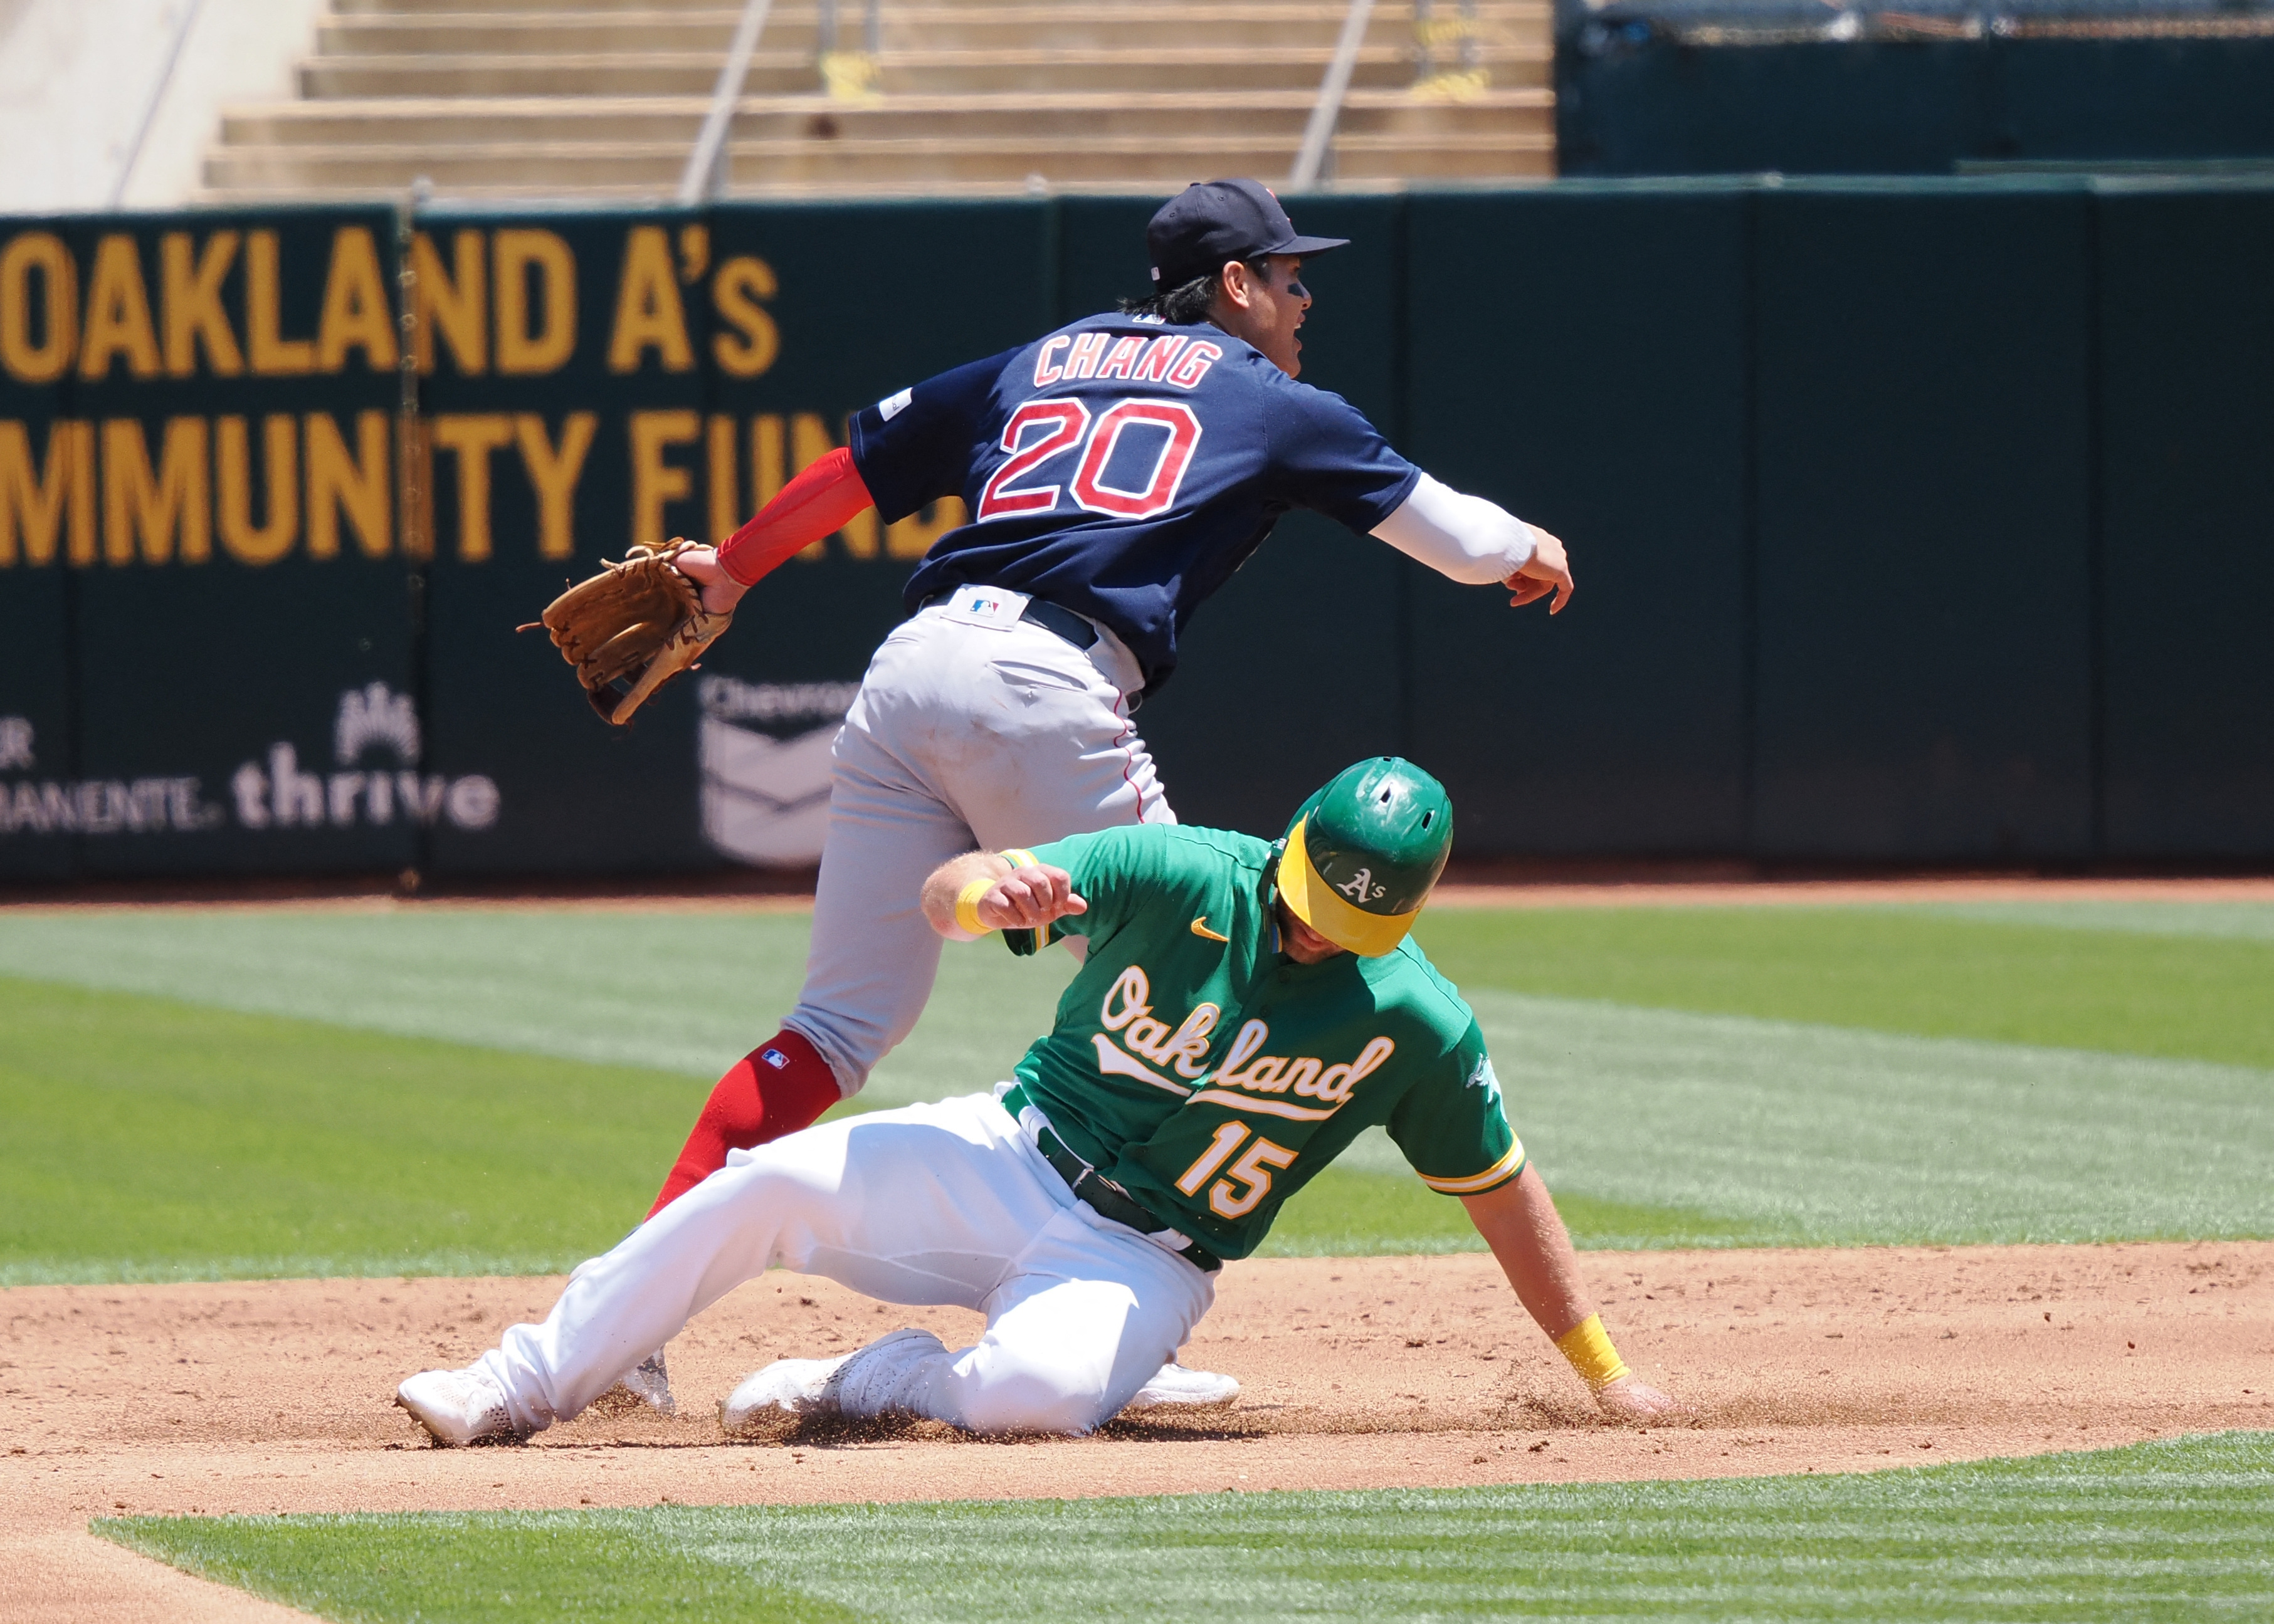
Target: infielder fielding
(1244, 1012)
(1116, 472)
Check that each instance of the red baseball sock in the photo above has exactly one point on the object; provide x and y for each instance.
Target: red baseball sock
(780, 1087)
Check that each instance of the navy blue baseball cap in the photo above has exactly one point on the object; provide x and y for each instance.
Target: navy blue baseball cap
(1212, 222)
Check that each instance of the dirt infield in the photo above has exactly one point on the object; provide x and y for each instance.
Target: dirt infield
(275, 1396)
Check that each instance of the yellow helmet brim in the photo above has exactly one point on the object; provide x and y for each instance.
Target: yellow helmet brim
(1327, 912)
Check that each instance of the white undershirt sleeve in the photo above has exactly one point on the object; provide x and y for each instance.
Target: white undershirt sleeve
(1465, 537)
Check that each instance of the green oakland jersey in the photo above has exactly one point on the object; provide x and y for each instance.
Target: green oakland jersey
(1212, 1077)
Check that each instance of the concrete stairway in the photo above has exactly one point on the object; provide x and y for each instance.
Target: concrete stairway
(604, 98)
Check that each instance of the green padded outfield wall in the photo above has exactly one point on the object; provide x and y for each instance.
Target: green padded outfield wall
(1581, 359)
(564, 415)
(1914, 521)
(2187, 501)
(1923, 547)
(210, 500)
(36, 527)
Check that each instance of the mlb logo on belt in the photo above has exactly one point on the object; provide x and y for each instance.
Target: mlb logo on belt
(991, 608)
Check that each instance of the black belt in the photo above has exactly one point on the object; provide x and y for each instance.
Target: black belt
(1106, 1198)
(1047, 615)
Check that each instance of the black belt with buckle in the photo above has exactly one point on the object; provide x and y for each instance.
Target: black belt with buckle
(1047, 615)
(1106, 1198)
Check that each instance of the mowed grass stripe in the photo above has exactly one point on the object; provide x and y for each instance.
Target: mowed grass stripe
(686, 992)
(149, 1140)
(153, 1140)
(1914, 972)
(2223, 920)
(1829, 1136)
(1349, 1212)
(693, 991)
(2174, 1529)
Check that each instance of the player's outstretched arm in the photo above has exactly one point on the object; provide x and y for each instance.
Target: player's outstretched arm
(817, 504)
(1468, 539)
(967, 897)
(1519, 1223)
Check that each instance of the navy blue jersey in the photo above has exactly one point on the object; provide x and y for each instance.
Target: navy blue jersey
(1120, 468)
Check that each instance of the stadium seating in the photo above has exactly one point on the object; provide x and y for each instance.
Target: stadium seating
(604, 98)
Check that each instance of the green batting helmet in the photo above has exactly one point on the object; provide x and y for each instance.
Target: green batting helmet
(1363, 852)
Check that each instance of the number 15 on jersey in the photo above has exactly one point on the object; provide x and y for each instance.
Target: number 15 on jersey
(1253, 1170)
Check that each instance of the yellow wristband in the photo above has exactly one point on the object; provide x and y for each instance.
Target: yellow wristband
(1591, 1353)
(966, 905)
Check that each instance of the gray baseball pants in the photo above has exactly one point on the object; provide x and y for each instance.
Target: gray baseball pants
(964, 735)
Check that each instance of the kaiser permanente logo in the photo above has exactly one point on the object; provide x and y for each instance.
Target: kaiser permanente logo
(376, 746)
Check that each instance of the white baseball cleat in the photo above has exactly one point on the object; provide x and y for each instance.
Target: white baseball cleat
(872, 1381)
(456, 1407)
(771, 1402)
(649, 1383)
(1176, 1387)
(861, 1386)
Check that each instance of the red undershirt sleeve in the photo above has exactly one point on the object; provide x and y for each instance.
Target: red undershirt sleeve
(815, 504)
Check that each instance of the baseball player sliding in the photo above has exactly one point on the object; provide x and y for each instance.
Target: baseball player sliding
(1245, 1010)
(1116, 472)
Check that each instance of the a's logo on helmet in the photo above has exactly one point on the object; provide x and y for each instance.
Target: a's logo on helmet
(1361, 887)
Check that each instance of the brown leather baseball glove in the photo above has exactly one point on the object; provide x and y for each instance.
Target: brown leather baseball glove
(631, 628)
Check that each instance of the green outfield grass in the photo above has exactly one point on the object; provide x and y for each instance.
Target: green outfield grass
(2195, 983)
(199, 1092)
(688, 992)
(2172, 1531)
(1371, 1210)
(149, 1140)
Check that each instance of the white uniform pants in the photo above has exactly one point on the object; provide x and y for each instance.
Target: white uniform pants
(931, 1204)
(962, 736)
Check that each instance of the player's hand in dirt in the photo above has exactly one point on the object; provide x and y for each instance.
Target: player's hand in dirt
(1029, 898)
(1549, 571)
(720, 590)
(1630, 1398)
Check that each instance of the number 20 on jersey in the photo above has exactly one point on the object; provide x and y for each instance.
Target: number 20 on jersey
(1042, 430)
